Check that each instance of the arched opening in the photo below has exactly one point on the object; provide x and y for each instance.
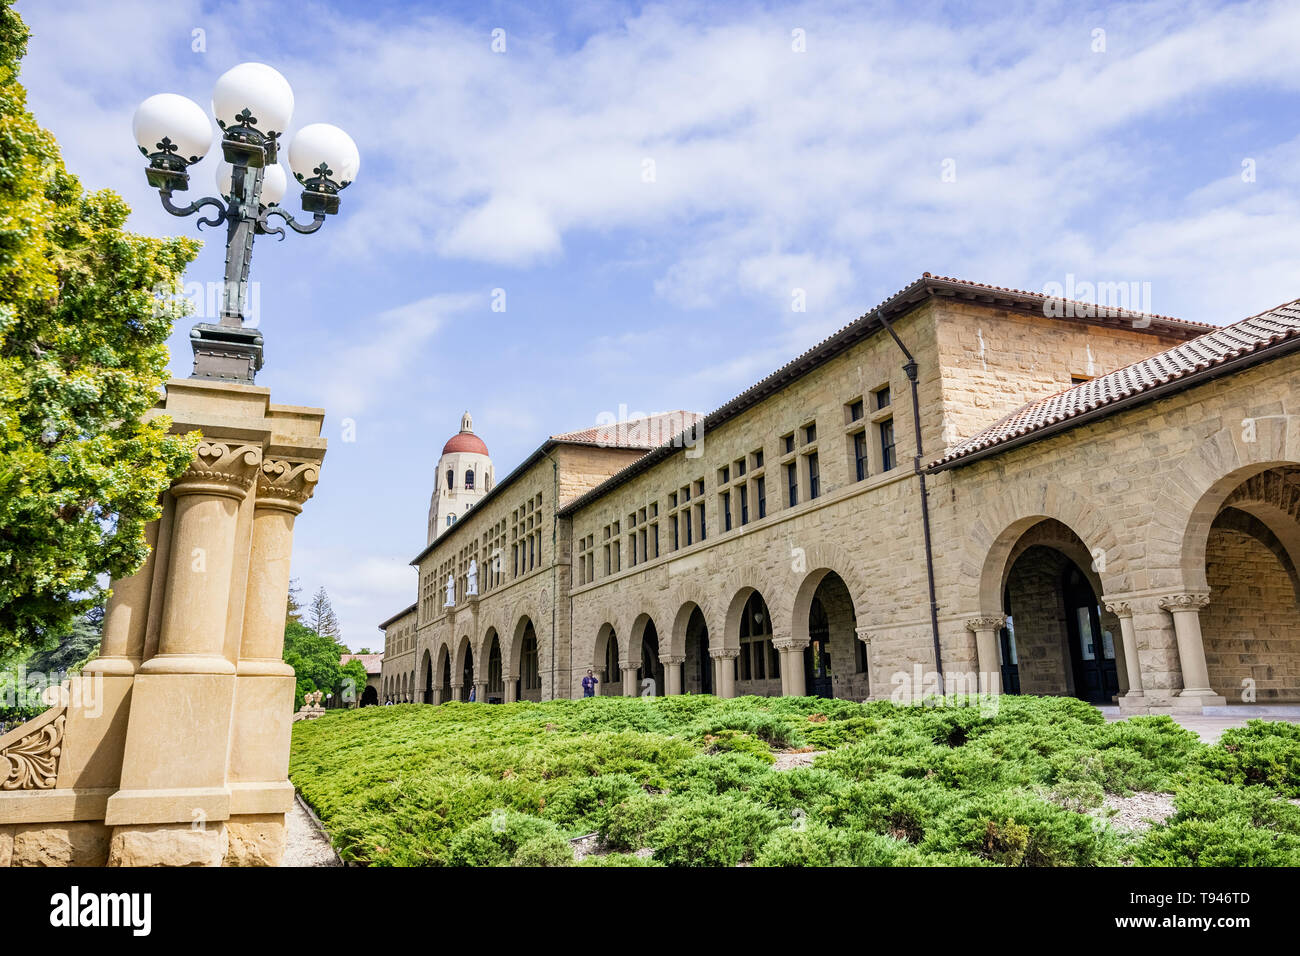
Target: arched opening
(1058, 639)
(428, 678)
(369, 696)
(758, 668)
(697, 672)
(469, 479)
(496, 684)
(1251, 626)
(451, 480)
(530, 671)
(650, 665)
(467, 674)
(834, 660)
(606, 663)
(444, 686)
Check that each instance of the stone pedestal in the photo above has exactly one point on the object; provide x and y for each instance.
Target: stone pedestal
(1132, 701)
(1196, 692)
(185, 759)
(986, 630)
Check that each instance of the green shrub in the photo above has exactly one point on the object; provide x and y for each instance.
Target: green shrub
(737, 741)
(1018, 829)
(822, 846)
(712, 831)
(1221, 825)
(627, 825)
(549, 849)
(496, 840)
(1262, 752)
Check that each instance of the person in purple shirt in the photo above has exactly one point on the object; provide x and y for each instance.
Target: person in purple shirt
(589, 685)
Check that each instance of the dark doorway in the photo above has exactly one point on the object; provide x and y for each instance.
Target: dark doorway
(1092, 650)
(428, 681)
(817, 655)
(467, 675)
(369, 697)
(1007, 649)
(650, 665)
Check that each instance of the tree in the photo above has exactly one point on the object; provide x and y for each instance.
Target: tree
(314, 659)
(321, 617)
(353, 682)
(83, 353)
(294, 610)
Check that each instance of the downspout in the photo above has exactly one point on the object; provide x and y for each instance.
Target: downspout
(910, 368)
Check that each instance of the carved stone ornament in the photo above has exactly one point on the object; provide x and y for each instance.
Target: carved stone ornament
(32, 763)
(985, 623)
(291, 482)
(1120, 608)
(864, 634)
(1191, 601)
(220, 463)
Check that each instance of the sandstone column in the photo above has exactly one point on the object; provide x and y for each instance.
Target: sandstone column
(672, 674)
(793, 679)
(986, 630)
(1132, 663)
(512, 689)
(173, 802)
(259, 753)
(863, 633)
(724, 670)
(631, 688)
(480, 691)
(1186, 612)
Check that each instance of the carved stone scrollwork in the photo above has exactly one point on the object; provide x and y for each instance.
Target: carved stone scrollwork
(864, 634)
(1120, 609)
(1191, 601)
(287, 483)
(221, 468)
(985, 623)
(32, 763)
(724, 653)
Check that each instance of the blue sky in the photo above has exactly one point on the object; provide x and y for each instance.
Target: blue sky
(1111, 157)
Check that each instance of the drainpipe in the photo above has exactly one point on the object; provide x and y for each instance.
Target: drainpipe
(910, 369)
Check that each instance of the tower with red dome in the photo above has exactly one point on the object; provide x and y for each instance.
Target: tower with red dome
(464, 475)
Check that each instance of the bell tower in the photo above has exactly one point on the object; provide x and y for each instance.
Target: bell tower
(463, 476)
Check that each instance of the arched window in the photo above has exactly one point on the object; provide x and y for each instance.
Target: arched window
(469, 479)
(451, 479)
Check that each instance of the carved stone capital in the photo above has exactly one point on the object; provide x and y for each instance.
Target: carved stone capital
(672, 661)
(287, 484)
(32, 761)
(788, 645)
(985, 623)
(1121, 609)
(1189, 601)
(864, 634)
(220, 468)
(724, 653)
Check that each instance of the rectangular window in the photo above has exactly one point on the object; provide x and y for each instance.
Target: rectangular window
(686, 520)
(882, 398)
(654, 537)
(631, 547)
(672, 532)
(887, 444)
(740, 468)
(814, 477)
(703, 527)
(810, 433)
(761, 493)
(787, 443)
(860, 455)
(726, 511)
(758, 458)
(856, 411)
(792, 485)
(645, 555)
(744, 504)
(724, 474)
(609, 565)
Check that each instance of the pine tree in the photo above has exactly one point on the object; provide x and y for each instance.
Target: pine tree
(321, 617)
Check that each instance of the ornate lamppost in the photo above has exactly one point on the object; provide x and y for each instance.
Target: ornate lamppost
(252, 104)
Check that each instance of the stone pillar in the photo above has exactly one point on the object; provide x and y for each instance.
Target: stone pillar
(986, 630)
(174, 800)
(724, 670)
(1134, 699)
(863, 633)
(261, 793)
(672, 674)
(511, 688)
(437, 696)
(793, 680)
(480, 691)
(455, 690)
(630, 686)
(1186, 612)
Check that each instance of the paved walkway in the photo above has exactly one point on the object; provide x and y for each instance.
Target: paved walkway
(1211, 727)
(305, 842)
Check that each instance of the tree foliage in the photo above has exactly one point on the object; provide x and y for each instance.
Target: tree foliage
(316, 662)
(82, 356)
(321, 617)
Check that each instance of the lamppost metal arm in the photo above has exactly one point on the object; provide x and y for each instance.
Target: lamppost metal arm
(262, 221)
(220, 216)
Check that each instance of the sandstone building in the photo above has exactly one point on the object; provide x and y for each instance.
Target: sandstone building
(967, 486)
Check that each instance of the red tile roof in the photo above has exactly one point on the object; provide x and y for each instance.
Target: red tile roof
(374, 662)
(1230, 347)
(647, 432)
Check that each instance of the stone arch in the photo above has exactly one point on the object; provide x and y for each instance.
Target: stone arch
(820, 560)
(492, 655)
(528, 672)
(442, 671)
(602, 658)
(527, 608)
(428, 678)
(631, 648)
(735, 590)
(678, 609)
(1010, 511)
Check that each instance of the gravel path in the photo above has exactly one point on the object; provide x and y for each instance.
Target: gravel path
(305, 842)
